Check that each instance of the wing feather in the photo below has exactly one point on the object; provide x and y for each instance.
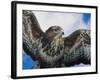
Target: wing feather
(31, 33)
(77, 48)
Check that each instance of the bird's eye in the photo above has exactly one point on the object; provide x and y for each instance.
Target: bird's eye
(55, 30)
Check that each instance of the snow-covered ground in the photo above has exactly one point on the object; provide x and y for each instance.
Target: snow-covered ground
(82, 65)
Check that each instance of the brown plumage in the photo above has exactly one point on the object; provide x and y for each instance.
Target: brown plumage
(50, 48)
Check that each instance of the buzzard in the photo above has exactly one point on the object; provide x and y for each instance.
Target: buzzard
(50, 48)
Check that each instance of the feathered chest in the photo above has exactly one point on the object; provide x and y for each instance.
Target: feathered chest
(54, 47)
(51, 51)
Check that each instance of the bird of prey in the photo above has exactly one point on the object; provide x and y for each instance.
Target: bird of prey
(50, 48)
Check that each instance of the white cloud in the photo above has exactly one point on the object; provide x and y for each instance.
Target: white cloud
(68, 21)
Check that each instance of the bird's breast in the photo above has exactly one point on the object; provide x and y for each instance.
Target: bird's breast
(52, 51)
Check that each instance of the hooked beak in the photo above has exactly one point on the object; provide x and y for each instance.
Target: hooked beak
(63, 33)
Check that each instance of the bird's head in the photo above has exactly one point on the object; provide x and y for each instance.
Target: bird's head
(54, 31)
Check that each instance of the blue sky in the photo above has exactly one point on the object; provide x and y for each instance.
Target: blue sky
(86, 18)
(28, 63)
(68, 21)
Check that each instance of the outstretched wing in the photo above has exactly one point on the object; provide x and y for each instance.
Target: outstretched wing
(31, 33)
(77, 48)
